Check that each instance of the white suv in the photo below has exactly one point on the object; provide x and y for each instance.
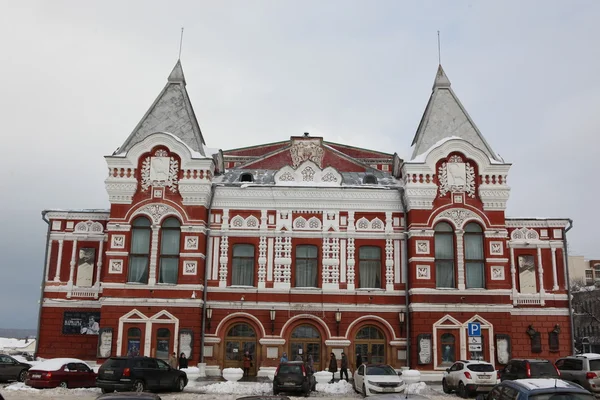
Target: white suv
(469, 377)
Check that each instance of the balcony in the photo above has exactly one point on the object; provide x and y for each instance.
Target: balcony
(528, 300)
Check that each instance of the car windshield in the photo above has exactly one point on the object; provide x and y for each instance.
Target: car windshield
(290, 369)
(542, 369)
(115, 363)
(481, 367)
(562, 396)
(595, 365)
(381, 370)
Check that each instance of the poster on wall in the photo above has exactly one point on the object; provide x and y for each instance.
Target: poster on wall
(162, 349)
(85, 267)
(133, 347)
(502, 348)
(105, 343)
(186, 337)
(424, 348)
(81, 323)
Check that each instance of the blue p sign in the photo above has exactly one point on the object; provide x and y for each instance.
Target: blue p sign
(474, 329)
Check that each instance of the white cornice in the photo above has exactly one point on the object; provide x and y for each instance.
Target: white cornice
(192, 255)
(272, 341)
(541, 311)
(456, 292)
(112, 285)
(212, 340)
(337, 342)
(446, 308)
(421, 259)
(127, 301)
(71, 303)
(534, 244)
(100, 215)
(311, 235)
(70, 236)
(536, 223)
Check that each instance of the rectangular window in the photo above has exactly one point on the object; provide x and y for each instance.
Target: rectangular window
(474, 261)
(140, 251)
(444, 259)
(243, 265)
(369, 267)
(169, 251)
(527, 279)
(306, 266)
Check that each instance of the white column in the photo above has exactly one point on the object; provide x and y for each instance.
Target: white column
(460, 256)
(554, 272)
(48, 258)
(223, 261)
(351, 263)
(61, 242)
(99, 266)
(403, 260)
(72, 269)
(389, 264)
(153, 255)
(513, 274)
(541, 276)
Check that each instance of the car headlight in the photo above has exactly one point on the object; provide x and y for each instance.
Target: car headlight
(374, 383)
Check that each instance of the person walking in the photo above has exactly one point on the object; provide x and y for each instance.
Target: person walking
(173, 360)
(247, 364)
(358, 360)
(332, 366)
(283, 358)
(344, 367)
(183, 361)
(310, 364)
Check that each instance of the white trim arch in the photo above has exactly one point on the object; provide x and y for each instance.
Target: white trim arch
(458, 217)
(361, 320)
(224, 323)
(157, 212)
(318, 320)
(141, 318)
(173, 143)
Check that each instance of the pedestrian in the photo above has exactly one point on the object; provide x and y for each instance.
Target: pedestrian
(283, 358)
(173, 360)
(344, 367)
(310, 364)
(298, 357)
(183, 361)
(247, 363)
(358, 360)
(332, 366)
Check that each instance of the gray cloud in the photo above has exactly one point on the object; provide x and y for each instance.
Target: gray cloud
(78, 76)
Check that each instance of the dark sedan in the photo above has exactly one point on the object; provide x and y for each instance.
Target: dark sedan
(12, 370)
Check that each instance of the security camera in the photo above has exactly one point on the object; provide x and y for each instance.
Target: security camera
(242, 298)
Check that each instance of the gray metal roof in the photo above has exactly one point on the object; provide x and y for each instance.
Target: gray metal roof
(266, 177)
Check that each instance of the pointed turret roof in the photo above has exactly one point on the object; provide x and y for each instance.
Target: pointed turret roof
(171, 112)
(445, 117)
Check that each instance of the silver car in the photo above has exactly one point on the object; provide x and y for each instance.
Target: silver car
(582, 369)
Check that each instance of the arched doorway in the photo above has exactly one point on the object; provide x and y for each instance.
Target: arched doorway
(306, 340)
(370, 344)
(241, 338)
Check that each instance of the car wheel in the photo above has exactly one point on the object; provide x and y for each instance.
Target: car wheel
(364, 390)
(104, 391)
(22, 375)
(445, 387)
(139, 386)
(462, 390)
(180, 385)
(63, 385)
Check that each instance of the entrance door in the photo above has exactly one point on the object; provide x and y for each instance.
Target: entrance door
(370, 344)
(306, 340)
(240, 339)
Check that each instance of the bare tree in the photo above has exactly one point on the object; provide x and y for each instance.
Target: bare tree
(586, 313)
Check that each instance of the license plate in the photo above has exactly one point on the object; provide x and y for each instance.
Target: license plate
(388, 389)
(289, 384)
(36, 376)
(109, 372)
(485, 376)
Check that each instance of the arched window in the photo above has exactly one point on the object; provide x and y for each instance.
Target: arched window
(474, 257)
(305, 340)
(242, 273)
(370, 344)
(163, 340)
(444, 255)
(306, 266)
(139, 253)
(169, 250)
(448, 348)
(246, 177)
(369, 267)
(370, 180)
(134, 336)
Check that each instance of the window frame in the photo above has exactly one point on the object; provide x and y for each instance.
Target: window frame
(452, 234)
(234, 257)
(133, 255)
(175, 256)
(316, 260)
(481, 261)
(360, 261)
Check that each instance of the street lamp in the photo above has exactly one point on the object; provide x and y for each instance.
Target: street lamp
(401, 317)
(338, 319)
(272, 316)
(208, 316)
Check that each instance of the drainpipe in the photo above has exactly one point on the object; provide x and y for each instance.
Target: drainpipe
(406, 284)
(43, 285)
(566, 257)
(213, 190)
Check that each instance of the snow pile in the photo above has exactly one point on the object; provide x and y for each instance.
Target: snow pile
(250, 388)
(415, 388)
(192, 372)
(21, 386)
(11, 343)
(340, 387)
(55, 364)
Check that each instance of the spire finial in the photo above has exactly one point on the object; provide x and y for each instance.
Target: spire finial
(181, 43)
(439, 50)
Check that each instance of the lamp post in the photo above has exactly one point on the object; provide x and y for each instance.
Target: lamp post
(272, 316)
(208, 316)
(401, 316)
(338, 319)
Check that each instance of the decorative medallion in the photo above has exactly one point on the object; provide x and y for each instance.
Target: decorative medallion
(160, 171)
(306, 150)
(156, 211)
(423, 272)
(458, 215)
(456, 176)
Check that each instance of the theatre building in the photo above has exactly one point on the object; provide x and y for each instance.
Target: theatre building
(304, 246)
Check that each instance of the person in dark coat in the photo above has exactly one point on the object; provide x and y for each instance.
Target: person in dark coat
(344, 367)
(183, 361)
(332, 366)
(358, 360)
(247, 363)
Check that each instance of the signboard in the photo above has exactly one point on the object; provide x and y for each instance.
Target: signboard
(104, 343)
(424, 348)
(81, 323)
(186, 338)
(475, 340)
(475, 347)
(474, 329)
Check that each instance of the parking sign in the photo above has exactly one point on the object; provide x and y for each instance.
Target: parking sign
(474, 329)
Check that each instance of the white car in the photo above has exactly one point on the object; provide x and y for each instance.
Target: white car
(370, 379)
(468, 377)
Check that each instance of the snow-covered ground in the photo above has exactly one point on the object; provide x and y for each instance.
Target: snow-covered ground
(216, 391)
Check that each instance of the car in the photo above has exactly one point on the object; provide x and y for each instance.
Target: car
(519, 368)
(12, 370)
(263, 397)
(139, 374)
(582, 369)
(292, 376)
(537, 389)
(468, 377)
(129, 396)
(370, 379)
(61, 372)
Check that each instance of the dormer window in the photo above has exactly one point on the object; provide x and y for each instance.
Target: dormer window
(246, 178)
(370, 180)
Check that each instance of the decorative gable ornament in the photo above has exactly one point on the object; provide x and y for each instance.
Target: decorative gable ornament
(306, 150)
(308, 173)
(160, 170)
(456, 176)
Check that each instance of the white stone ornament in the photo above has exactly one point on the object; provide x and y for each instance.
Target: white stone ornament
(306, 150)
(456, 176)
(160, 172)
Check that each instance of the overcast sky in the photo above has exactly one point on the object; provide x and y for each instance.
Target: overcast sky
(76, 77)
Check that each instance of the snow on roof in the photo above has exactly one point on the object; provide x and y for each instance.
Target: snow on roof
(55, 364)
(122, 152)
(11, 343)
(423, 156)
(209, 151)
(544, 383)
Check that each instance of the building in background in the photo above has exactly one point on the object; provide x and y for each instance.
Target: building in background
(307, 247)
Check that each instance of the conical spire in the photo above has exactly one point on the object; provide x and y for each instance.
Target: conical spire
(171, 112)
(445, 118)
